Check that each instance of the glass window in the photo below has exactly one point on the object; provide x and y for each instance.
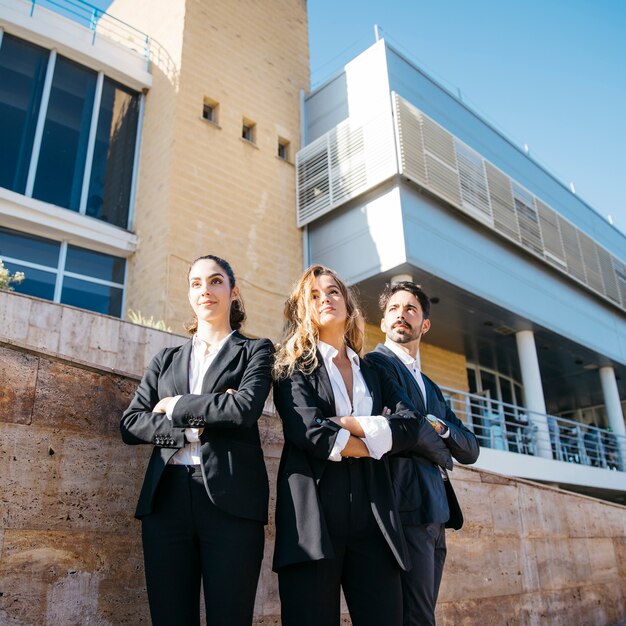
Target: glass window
(61, 163)
(20, 252)
(488, 381)
(22, 75)
(114, 153)
(92, 296)
(29, 248)
(471, 379)
(38, 283)
(94, 264)
(506, 390)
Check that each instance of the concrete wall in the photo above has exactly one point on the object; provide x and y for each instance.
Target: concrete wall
(70, 551)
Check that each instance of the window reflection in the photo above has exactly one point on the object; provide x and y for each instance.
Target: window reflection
(39, 259)
(38, 283)
(61, 164)
(112, 169)
(96, 264)
(93, 296)
(22, 74)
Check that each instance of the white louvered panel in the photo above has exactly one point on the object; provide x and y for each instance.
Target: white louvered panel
(453, 173)
(474, 190)
(501, 196)
(552, 243)
(443, 180)
(410, 141)
(527, 218)
(438, 141)
(573, 255)
(620, 277)
(313, 184)
(609, 277)
(590, 260)
(380, 150)
(345, 162)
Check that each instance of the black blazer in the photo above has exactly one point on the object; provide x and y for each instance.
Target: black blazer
(233, 468)
(421, 494)
(304, 402)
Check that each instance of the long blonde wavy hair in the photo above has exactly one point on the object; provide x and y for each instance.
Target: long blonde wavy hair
(298, 347)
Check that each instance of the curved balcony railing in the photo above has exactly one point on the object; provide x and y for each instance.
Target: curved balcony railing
(511, 428)
(99, 22)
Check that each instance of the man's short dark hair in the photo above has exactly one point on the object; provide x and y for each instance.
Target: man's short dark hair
(405, 285)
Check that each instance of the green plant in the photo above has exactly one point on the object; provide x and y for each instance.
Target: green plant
(6, 278)
(136, 317)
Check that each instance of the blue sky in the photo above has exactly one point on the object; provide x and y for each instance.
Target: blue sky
(548, 73)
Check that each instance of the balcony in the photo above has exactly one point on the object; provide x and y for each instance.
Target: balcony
(583, 457)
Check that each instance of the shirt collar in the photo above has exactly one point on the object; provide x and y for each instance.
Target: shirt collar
(203, 346)
(329, 352)
(405, 357)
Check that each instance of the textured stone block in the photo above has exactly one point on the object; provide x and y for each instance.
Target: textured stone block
(18, 378)
(485, 567)
(74, 398)
(55, 479)
(73, 578)
(14, 316)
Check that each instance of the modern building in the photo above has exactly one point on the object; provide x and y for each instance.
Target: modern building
(397, 177)
(138, 139)
(127, 155)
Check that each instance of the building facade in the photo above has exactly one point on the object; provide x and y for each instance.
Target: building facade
(397, 177)
(131, 154)
(138, 139)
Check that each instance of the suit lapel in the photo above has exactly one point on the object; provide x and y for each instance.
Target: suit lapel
(409, 380)
(431, 396)
(321, 382)
(180, 369)
(371, 380)
(228, 352)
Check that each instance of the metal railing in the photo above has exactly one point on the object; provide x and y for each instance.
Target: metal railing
(100, 23)
(512, 428)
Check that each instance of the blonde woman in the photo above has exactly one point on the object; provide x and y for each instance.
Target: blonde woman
(205, 496)
(336, 523)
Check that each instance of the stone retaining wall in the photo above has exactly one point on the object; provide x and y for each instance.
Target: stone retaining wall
(70, 551)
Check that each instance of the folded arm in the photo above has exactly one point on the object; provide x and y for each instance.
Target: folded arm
(140, 424)
(225, 409)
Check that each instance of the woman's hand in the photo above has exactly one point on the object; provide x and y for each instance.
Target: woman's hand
(232, 392)
(355, 448)
(350, 423)
(161, 406)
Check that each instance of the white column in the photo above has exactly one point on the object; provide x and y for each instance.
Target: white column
(533, 390)
(612, 401)
(614, 408)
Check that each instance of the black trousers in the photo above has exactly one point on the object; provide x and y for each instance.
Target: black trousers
(186, 539)
(364, 566)
(420, 585)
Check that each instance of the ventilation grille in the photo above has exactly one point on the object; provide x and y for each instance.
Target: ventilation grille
(438, 161)
(342, 164)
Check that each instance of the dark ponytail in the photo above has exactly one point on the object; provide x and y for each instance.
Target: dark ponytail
(237, 310)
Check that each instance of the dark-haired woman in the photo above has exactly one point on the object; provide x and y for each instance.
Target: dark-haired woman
(204, 499)
(336, 524)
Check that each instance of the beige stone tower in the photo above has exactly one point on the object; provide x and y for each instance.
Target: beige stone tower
(221, 127)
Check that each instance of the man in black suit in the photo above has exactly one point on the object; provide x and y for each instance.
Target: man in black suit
(422, 490)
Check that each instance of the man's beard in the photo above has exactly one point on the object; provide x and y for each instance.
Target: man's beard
(407, 334)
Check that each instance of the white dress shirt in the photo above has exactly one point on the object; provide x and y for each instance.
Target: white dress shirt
(376, 427)
(413, 365)
(202, 355)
